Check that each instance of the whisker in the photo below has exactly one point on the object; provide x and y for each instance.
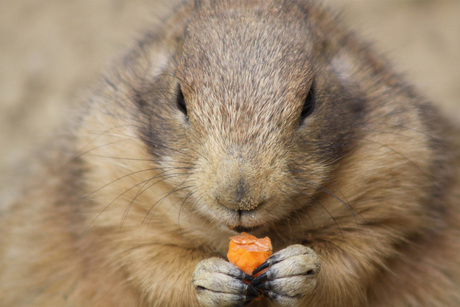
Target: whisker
(300, 192)
(126, 191)
(73, 159)
(107, 206)
(125, 214)
(322, 177)
(288, 198)
(180, 210)
(158, 202)
(174, 190)
(400, 154)
(119, 178)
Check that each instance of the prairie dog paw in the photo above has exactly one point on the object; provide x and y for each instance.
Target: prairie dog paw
(220, 283)
(291, 275)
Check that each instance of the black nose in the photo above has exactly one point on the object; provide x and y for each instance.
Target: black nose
(238, 196)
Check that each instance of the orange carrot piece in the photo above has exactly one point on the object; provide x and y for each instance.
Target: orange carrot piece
(248, 252)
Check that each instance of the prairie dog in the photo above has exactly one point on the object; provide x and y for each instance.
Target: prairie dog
(261, 116)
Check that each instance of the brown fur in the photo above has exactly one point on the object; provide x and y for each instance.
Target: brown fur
(120, 213)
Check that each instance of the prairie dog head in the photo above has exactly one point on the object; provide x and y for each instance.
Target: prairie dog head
(247, 108)
(245, 85)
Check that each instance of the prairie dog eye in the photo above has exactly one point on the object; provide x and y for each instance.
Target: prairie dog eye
(181, 105)
(308, 104)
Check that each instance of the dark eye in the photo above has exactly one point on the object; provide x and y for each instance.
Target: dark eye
(181, 101)
(308, 104)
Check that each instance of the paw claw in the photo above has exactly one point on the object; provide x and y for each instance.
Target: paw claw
(252, 291)
(263, 266)
(264, 286)
(259, 279)
(274, 259)
(219, 283)
(245, 276)
(290, 275)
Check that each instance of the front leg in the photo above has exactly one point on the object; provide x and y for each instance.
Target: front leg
(291, 275)
(220, 283)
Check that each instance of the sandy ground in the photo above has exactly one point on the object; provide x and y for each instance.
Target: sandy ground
(52, 50)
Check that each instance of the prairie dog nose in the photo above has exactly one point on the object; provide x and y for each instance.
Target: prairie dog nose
(238, 195)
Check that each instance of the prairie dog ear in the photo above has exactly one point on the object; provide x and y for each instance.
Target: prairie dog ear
(159, 61)
(344, 67)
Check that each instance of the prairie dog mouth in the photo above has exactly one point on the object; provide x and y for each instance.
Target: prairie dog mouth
(245, 229)
(246, 221)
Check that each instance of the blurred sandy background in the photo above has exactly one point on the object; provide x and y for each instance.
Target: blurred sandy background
(52, 50)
